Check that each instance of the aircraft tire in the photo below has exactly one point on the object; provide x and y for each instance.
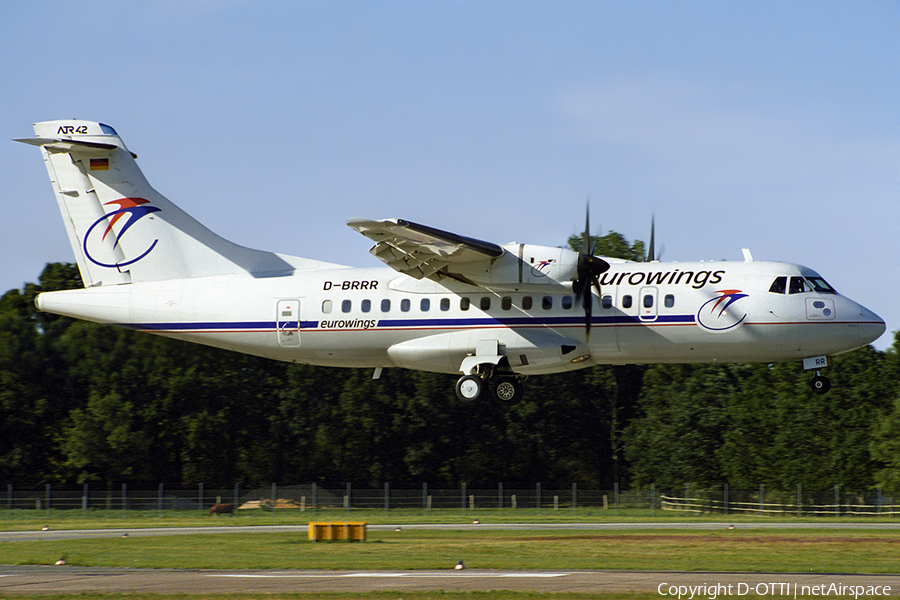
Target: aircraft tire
(820, 384)
(508, 391)
(469, 388)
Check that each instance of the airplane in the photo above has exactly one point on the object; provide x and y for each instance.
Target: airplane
(447, 303)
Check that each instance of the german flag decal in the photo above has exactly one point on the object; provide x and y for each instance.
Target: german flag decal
(99, 164)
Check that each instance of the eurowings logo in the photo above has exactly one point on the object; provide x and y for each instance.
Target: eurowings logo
(129, 212)
(719, 313)
(539, 269)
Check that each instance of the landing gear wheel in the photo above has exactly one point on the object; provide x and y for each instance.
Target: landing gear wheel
(820, 384)
(469, 388)
(508, 391)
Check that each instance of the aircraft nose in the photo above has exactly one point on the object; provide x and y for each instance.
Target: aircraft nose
(871, 326)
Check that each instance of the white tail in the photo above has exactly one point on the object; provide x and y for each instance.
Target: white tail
(120, 228)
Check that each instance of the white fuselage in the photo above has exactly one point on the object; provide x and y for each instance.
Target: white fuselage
(649, 313)
(447, 303)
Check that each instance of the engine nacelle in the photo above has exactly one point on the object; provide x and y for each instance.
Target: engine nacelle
(522, 266)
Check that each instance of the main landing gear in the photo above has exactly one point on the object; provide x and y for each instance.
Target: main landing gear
(505, 387)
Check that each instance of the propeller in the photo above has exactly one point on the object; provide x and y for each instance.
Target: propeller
(588, 273)
(652, 254)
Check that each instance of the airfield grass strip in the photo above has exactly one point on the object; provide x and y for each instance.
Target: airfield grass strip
(25, 520)
(436, 595)
(390, 595)
(783, 551)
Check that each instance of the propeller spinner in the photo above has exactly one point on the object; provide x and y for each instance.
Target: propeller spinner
(589, 269)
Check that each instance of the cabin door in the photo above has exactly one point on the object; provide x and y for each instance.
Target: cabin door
(647, 304)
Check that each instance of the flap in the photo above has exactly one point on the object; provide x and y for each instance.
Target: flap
(421, 251)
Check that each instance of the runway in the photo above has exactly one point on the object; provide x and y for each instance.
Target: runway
(25, 580)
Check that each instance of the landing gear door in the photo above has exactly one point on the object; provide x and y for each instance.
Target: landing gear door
(287, 322)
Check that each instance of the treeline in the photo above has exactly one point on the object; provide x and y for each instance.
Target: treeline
(81, 402)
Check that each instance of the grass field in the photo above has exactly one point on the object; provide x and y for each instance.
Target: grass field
(745, 548)
(496, 595)
(790, 551)
(23, 520)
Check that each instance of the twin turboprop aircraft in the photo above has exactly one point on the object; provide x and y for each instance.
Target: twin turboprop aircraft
(451, 304)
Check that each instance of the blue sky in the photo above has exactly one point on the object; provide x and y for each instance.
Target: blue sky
(767, 125)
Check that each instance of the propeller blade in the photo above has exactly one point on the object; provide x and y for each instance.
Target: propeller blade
(651, 255)
(588, 273)
(588, 304)
(586, 247)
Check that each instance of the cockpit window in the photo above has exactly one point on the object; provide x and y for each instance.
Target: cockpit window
(779, 285)
(820, 285)
(799, 285)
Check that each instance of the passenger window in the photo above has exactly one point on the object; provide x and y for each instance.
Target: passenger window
(526, 302)
(567, 302)
(445, 304)
(404, 305)
(778, 286)
(385, 305)
(366, 305)
(648, 301)
(346, 305)
(606, 301)
(425, 305)
(669, 300)
(506, 303)
(464, 303)
(547, 302)
(485, 303)
(798, 285)
(626, 301)
(326, 307)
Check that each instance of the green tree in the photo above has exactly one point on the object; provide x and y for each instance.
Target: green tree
(35, 395)
(675, 439)
(104, 442)
(613, 245)
(885, 442)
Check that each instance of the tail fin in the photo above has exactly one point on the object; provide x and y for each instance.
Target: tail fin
(120, 228)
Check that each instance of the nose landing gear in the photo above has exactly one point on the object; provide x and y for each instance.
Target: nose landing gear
(820, 384)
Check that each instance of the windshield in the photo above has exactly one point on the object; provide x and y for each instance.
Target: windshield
(820, 285)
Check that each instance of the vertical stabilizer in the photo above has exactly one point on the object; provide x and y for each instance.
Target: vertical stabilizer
(120, 228)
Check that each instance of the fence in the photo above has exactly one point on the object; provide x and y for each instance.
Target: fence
(835, 502)
(315, 497)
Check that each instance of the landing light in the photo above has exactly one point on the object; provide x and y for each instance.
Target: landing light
(581, 358)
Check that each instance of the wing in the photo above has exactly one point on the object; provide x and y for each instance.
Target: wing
(421, 251)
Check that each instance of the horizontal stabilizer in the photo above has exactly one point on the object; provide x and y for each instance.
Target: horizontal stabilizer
(57, 145)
